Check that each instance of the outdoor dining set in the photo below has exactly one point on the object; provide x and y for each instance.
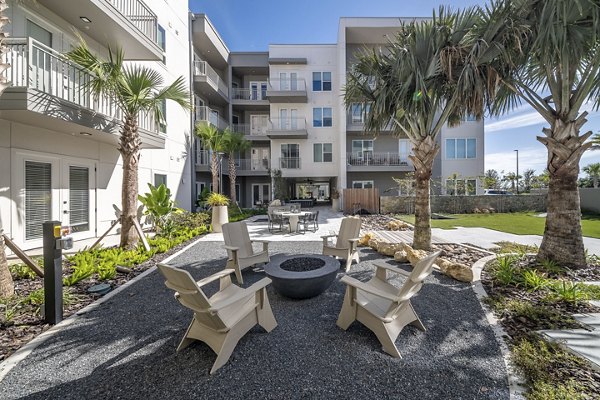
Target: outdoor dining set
(295, 219)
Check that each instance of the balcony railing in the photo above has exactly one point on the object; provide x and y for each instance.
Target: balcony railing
(289, 163)
(202, 68)
(377, 159)
(253, 165)
(289, 124)
(287, 85)
(138, 13)
(203, 157)
(356, 122)
(206, 114)
(248, 94)
(250, 130)
(36, 66)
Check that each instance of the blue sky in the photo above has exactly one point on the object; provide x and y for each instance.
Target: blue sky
(251, 25)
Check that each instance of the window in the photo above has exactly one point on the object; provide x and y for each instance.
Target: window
(290, 156)
(161, 38)
(321, 81)
(403, 151)
(160, 179)
(79, 199)
(469, 118)
(38, 33)
(322, 152)
(359, 112)
(461, 148)
(38, 197)
(163, 120)
(238, 193)
(362, 148)
(362, 184)
(322, 117)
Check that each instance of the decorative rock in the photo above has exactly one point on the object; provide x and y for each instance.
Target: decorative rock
(396, 225)
(458, 271)
(486, 211)
(364, 241)
(374, 243)
(389, 249)
(476, 210)
(413, 255)
(400, 256)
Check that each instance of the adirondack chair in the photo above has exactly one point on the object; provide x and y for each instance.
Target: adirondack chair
(382, 307)
(346, 243)
(239, 248)
(223, 319)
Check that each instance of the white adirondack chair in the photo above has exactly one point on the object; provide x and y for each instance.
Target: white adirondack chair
(223, 319)
(382, 307)
(239, 248)
(346, 243)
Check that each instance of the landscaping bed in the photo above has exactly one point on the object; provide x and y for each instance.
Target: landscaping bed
(20, 315)
(527, 296)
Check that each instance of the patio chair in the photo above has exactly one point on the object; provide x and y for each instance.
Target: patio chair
(382, 307)
(277, 219)
(223, 319)
(239, 248)
(346, 243)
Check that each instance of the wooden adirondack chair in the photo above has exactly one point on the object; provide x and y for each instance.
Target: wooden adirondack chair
(382, 307)
(223, 319)
(346, 243)
(239, 248)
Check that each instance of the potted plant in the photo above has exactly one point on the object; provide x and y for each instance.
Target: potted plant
(218, 202)
(335, 199)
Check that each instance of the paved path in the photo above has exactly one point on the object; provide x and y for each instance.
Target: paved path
(483, 237)
(125, 348)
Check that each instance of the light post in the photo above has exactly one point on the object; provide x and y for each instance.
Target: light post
(517, 171)
(220, 154)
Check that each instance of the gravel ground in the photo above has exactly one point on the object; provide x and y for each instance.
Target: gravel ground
(126, 347)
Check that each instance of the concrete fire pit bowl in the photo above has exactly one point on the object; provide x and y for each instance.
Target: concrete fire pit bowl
(302, 276)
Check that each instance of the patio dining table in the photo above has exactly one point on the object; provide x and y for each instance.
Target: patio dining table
(294, 218)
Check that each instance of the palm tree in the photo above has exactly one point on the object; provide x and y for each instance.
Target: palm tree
(234, 143)
(528, 179)
(593, 171)
(550, 46)
(595, 141)
(419, 81)
(214, 139)
(136, 90)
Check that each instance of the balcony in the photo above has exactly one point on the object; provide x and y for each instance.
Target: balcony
(355, 123)
(370, 161)
(251, 132)
(203, 160)
(289, 163)
(287, 128)
(248, 99)
(209, 83)
(253, 167)
(207, 114)
(127, 24)
(49, 91)
(287, 91)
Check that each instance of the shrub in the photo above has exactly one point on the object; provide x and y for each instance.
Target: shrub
(552, 267)
(158, 205)
(21, 271)
(569, 291)
(83, 265)
(513, 247)
(106, 271)
(534, 281)
(217, 199)
(505, 271)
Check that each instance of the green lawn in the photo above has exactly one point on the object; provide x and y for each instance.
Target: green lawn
(517, 223)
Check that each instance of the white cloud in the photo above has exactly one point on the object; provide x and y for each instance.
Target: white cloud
(529, 158)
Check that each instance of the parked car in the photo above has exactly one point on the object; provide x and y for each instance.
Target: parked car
(496, 192)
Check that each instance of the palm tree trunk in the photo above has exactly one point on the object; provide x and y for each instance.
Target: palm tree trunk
(232, 177)
(424, 154)
(7, 287)
(214, 170)
(563, 241)
(595, 182)
(130, 144)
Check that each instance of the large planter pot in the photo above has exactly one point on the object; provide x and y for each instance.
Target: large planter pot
(220, 216)
(335, 204)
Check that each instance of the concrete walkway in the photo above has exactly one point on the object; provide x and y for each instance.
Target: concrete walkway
(486, 238)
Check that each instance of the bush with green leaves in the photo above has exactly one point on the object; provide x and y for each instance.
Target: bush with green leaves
(217, 199)
(505, 271)
(534, 281)
(158, 205)
(552, 267)
(83, 264)
(21, 271)
(569, 291)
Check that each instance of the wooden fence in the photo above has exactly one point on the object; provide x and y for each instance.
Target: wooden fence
(361, 199)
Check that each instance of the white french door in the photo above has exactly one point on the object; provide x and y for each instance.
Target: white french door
(51, 188)
(288, 82)
(261, 193)
(259, 124)
(260, 158)
(258, 90)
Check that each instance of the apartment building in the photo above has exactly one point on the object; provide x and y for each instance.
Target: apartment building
(59, 156)
(289, 103)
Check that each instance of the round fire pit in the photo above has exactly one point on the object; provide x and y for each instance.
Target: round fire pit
(302, 276)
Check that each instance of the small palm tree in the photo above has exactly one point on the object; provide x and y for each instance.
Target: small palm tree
(136, 90)
(214, 140)
(550, 46)
(593, 171)
(595, 142)
(234, 143)
(421, 83)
